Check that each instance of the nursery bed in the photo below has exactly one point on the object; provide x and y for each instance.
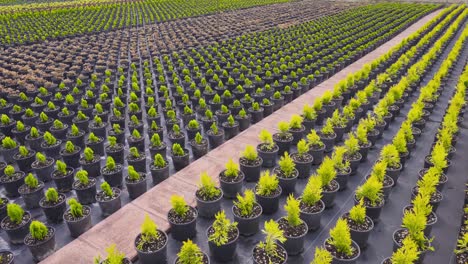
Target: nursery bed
(380, 244)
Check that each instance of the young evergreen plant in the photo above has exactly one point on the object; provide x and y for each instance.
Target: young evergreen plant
(267, 184)
(179, 205)
(190, 253)
(340, 238)
(222, 227)
(273, 235)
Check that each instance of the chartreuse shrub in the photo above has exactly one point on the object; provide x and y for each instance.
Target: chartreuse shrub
(232, 169)
(314, 139)
(267, 184)
(38, 230)
(462, 244)
(322, 256)
(267, 140)
(52, 195)
(207, 187)
(82, 177)
(149, 232)
(339, 162)
(179, 205)
(23, 151)
(9, 171)
(222, 227)
(245, 203)
(114, 256)
(107, 189)
(76, 209)
(293, 211)
(408, 253)
(390, 155)
(358, 213)
(177, 150)
(190, 253)
(312, 192)
(287, 165)
(371, 190)
(15, 213)
(340, 238)
(250, 153)
(415, 223)
(133, 174)
(159, 161)
(273, 235)
(31, 181)
(8, 143)
(326, 171)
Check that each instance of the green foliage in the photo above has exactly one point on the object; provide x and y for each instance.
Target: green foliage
(308, 112)
(399, 141)
(110, 163)
(222, 226)
(314, 139)
(92, 138)
(81, 116)
(198, 138)
(293, 211)
(267, 139)
(156, 140)
(242, 113)
(361, 134)
(372, 190)
(61, 167)
(75, 131)
(149, 232)
(462, 244)
(287, 165)
(207, 187)
(214, 128)
(232, 169)
(20, 126)
(312, 192)
(8, 143)
(43, 117)
(9, 171)
(41, 158)
(133, 174)
(421, 204)
(231, 120)
(250, 153)
(136, 134)
(179, 205)
(439, 156)
(340, 237)
(295, 122)
(267, 184)
(302, 147)
(379, 170)
(76, 209)
(190, 253)
(50, 139)
(58, 124)
(88, 154)
(326, 171)
(351, 145)
(134, 153)
(114, 256)
(15, 213)
(24, 152)
(358, 213)
(339, 161)
(245, 203)
(31, 181)
(107, 189)
(327, 129)
(427, 185)
(390, 155)
(415, 224)
(51, 195)
(38, 230)
(407, 254)
(193, 124)
(159, 161)
(177, 150)
(5, 120)
(69, 147)
(273, 235)
(82, 177)
(322, 256)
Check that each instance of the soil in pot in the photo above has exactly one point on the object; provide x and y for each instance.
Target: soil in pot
(260, 256)
(153, 251)
(311, 215)
(250, 224)
(6, 257)
(208, 206)
(183, 228)
(295, 235)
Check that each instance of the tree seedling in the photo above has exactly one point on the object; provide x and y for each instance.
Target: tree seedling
(207, 187)
(107, 189)
(82, 177)
(245, 203)
(38, 230)
(273, 235)
(149, 232)
(267, 184)
(31, 181)
(133, 175)
(287, 165)
(222, 227)
(179, 206)
(76, 209)
(15, 213)
(190, 253)
(340, 238)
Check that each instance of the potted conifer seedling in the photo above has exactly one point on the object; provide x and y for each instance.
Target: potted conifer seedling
(287, 174)
(43, 167)
(63, 176)
(421, 204)
(136, 140)
(231, 180)
(328, 136)
(342, 166)
(311, 205)
(294, 228)
(180, 157)
(190, 253)
(267, 150)
(159, 169)
(250, 164)
(379, 172)
(309, 116)
(71, 154)
(243, 118)
(12, 180)
(247, 213)
(352, 154)
(222, 238)
(33, 139)
(371, 194)
(157, 146)
(40, 240)
(113, 256)
(302, 159)
(322, 256)
(364, 143)
(76, 136)
(85, 187)
(296, 128)
(135, 182)
(208, 197)
(316, 147)
(269, 251)
(151, 243)
(115, 150)
(9, 148)
(327, 174)
(16, 223)
(360, 224)
(284, 138)
(390, 155)
(51, 145)
(182, 219)
(407, 253)
(78, 218)
(112, 173)
(108, 199)
(215, 136)
(24, 158)
(199, 146)
(53, 205)
(230, 128)
(32, 191)
(267, 192)
(91, 163)
(340, 245)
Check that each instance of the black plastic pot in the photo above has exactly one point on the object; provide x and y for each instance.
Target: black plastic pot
(231, 188)
(312, 220)
(215, 140)
(364, 150)
(158, 256)
(303, 167)
(223, 253)
(93, 168)
(34, 143)
(108, 207)
(297, 134)
(180, 162)
(63, 182)
(135, 189)
(54, 213)
(184, 231)
(372, 211)
(86, 194)
(117, 153)
(208, 209)
(295, 245)
(230, 131)
(11, 185)
(159, 174)
(328, 197)
(79, 226)
(199, 150)
(52, 151)
(9, 153)
(31, 198)
(394, 173)
(71, 159)
(342, 178)
(244, 123)
(113, 178)
(44, 173)
(361, 237)
(269, 204)
(42, 249)
(24, 163)
(317, 155)
(18, 233)
(329, 142)
(248, 226)
(268, 157)
(251, 172)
